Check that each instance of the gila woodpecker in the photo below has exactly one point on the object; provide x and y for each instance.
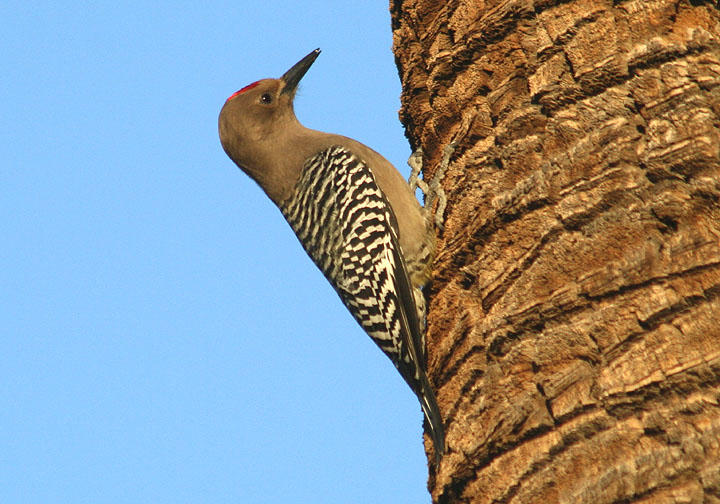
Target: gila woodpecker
(353, 213)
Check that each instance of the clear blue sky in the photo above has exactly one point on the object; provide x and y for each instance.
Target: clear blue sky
(164, 337)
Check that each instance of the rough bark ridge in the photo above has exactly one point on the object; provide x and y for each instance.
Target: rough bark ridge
(574, 324)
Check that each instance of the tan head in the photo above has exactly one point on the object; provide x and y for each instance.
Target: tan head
(256, 123)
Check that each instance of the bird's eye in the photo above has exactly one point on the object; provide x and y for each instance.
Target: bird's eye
(266, 98)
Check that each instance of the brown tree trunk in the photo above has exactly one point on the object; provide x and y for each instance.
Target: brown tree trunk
(574, 318)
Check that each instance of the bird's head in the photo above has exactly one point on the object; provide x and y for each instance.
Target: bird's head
(254, 121)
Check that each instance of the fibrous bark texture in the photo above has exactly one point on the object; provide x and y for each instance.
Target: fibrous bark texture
(574, 318)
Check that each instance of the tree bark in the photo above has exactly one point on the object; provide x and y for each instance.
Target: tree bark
(574, 316)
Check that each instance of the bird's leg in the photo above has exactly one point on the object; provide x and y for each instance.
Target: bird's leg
(433, 190)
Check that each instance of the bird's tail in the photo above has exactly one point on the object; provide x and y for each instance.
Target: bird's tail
(432, 415)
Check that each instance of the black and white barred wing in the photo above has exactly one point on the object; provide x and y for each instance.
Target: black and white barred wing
(374, 284)
(347, 227)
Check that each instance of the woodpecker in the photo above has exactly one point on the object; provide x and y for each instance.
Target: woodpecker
(353, 213)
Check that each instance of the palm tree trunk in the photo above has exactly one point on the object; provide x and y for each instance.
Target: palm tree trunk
(574, 316)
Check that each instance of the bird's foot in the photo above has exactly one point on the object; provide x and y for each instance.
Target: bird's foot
(433, 189)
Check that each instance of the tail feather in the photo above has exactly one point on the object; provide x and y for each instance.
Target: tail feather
(433, 417)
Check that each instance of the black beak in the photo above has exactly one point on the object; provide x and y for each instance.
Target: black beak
(292, 77)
